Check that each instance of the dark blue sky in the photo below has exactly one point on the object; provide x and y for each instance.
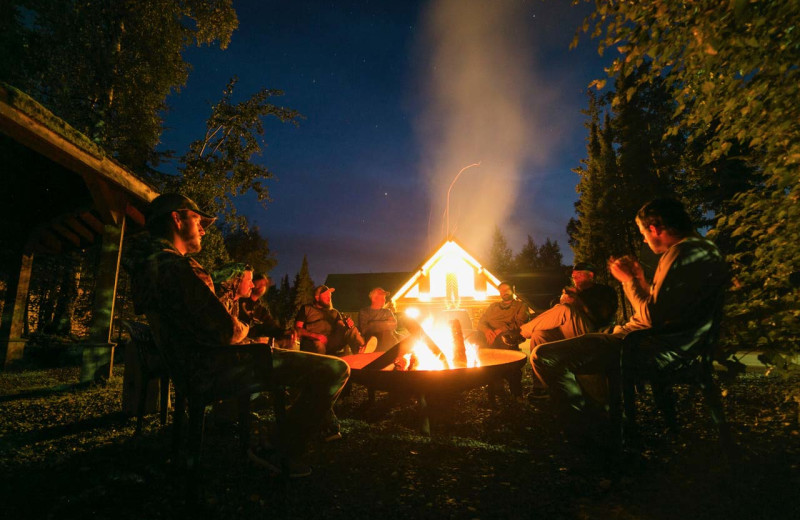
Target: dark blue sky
(353, 188)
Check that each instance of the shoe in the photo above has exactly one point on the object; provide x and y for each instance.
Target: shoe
(330, 430)
(370, 346)
(270, 459)
(331, 435)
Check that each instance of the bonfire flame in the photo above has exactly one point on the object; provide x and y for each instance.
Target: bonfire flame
(449, 349)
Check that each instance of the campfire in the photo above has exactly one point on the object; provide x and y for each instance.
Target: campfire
(440, 347)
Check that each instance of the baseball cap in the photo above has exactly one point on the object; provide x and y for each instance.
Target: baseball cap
(321, 289)
(585, 266)
(166, 203)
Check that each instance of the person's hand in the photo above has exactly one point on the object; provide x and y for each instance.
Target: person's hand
(490, 336)
(349, 322)
(567, 297)
(527, 329)
(625, 269)
(322, 338)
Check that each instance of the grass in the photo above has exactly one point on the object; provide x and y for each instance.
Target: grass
(70, 453)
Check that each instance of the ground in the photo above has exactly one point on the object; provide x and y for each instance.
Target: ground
(70, 453)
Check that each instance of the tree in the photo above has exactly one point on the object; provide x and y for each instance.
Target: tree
(281, 301)
(550, 254)
(220, 166)
(500, 255)
(247, 245)
(732, 72)
(303, 287)
(527, 260)
(105, 66)
(592, 233)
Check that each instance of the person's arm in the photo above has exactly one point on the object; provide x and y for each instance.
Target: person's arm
(687, 278)
(377, 321)
(522, 315)
(483, 326)
(302, 332)
(187, 299)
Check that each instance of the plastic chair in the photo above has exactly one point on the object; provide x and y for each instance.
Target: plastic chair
(151, 367)
(694, 368)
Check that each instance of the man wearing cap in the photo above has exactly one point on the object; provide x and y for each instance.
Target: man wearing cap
(378, 321)
(325, 330)
(584, 307)
(188, 320)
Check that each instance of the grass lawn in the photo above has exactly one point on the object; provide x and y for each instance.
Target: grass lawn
(69, 453)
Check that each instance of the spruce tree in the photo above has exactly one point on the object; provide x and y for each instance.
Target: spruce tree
(527, 260)
(303, 286)
(500, 255)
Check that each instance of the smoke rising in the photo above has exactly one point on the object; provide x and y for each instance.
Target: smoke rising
(481, 102)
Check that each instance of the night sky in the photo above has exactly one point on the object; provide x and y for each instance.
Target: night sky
(397, 98)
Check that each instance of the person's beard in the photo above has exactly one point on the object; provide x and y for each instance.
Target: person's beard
(191, 241)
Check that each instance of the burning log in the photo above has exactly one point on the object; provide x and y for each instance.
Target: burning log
(459, 349)
(401, 355)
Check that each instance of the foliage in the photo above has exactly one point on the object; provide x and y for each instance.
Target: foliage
(527, 260)
(303, 289)
(550, 254)
(280, 299)
(732, 72)
(248, 246)
(106, 66)
(626, 165)
(220, 166)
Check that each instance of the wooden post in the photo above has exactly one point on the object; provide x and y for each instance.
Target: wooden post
(98, 352)
(12, 345)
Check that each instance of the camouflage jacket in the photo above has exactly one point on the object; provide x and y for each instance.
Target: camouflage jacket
(178, 293)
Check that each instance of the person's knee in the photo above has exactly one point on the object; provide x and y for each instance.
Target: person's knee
(336, 370)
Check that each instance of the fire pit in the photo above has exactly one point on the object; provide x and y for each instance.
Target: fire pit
(493, 364)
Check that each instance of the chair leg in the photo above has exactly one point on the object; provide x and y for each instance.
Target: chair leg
(197, 417)
(177, 422)
(143, 382)
(244, 424)
(164, 400)
(711, 394)
(615, 410)
(665, 401)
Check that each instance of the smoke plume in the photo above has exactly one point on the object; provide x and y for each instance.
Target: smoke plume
(481, 103)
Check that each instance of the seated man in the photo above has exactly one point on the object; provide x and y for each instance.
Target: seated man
(583, 307)
(255, 312)
(582, 278)
(177, 296)
(499, 327)
(378, 321)
(323, 329)
(690, 274)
